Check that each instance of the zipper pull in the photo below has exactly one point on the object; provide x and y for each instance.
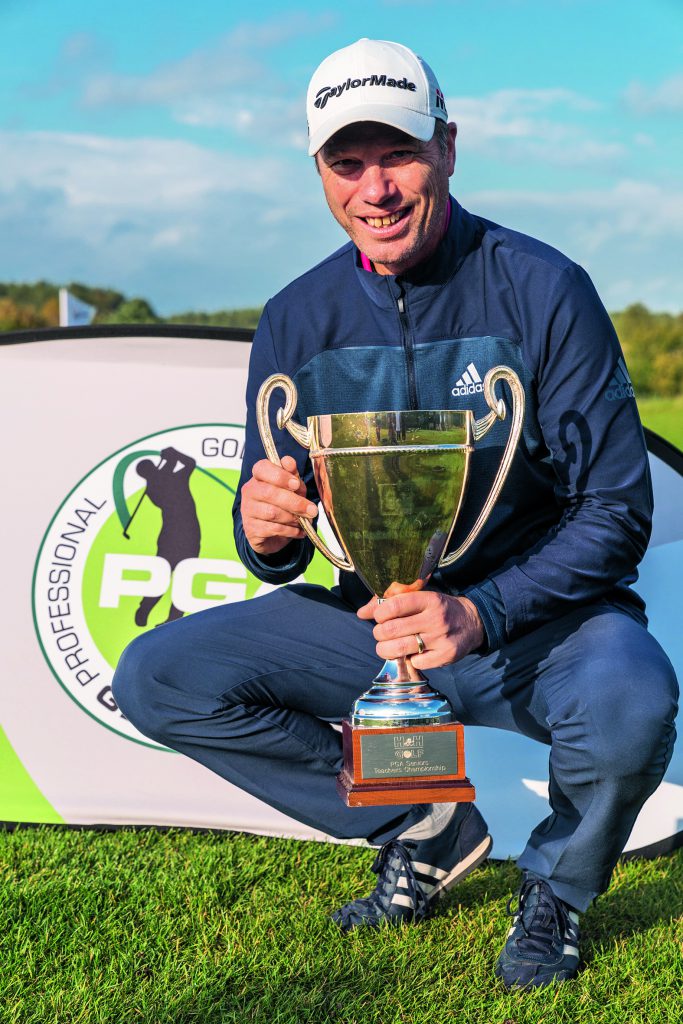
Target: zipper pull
(401, 304)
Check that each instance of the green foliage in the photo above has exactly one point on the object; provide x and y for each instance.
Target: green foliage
(132, 311)
(35, 295)
(248, 317)
(105, 300)
(14, 317)
(178, 928)
(653, 348)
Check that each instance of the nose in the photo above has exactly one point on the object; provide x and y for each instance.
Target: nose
(377, 186)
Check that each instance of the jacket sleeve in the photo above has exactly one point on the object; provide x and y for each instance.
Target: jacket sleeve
(293, 559)
(590, 424)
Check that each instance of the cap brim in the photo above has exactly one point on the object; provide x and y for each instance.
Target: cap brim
(412, 122)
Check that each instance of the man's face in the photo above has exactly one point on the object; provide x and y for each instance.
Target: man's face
(388, 191)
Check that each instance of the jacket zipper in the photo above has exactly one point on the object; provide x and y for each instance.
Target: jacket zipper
(408, 350)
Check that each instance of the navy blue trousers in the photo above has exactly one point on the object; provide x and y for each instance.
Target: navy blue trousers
(250, 690)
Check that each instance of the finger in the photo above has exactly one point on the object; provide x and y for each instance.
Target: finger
(289, 464)
(401, 647)
(404, 588)
(394, 629)
(279, 476)
(256, 492)
(404, 604)
(435, 659)
(443, 654)
(262, 511)
(259, 530)
(368, 610)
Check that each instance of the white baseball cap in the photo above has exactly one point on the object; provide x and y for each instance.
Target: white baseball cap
(373, 80)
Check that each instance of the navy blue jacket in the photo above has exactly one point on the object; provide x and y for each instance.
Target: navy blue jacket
(574, 516)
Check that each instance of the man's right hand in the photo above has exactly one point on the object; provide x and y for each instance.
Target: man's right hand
(271, 502)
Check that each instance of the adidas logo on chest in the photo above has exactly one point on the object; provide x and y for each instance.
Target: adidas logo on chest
(469, 384)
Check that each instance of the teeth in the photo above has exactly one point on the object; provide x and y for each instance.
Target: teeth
(383, 222)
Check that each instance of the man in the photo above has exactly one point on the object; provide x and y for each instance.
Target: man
(535, 630)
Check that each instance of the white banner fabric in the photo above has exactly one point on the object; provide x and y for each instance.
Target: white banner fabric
(87, 421)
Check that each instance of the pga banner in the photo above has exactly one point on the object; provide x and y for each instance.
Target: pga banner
(123, 457)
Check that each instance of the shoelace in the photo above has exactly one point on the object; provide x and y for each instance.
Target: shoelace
(397, 860)
(547, 917)
(391, 862)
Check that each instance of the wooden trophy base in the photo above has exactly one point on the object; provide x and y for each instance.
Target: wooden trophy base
(403, 765)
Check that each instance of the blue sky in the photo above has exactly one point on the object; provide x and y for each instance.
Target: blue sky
(159, 147)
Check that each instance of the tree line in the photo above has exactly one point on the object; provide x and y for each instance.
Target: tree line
(27, 306)
(652, 342)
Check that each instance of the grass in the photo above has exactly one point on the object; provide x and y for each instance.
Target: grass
(143, 927)
(173, 927)
(664, 416)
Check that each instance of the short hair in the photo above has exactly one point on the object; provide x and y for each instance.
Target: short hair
(441, 135)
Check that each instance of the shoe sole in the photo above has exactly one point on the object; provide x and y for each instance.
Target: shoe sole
(463, 868)
(538, 981)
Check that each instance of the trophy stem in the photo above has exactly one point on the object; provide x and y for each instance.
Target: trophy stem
(400, 695)
(399, 670)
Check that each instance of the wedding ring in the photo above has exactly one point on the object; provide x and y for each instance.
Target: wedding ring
(420, 644)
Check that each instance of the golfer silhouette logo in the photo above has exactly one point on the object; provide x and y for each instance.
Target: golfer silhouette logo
(168, 487)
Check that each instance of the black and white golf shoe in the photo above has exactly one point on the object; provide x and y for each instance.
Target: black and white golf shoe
(542, 946)
(412, 875)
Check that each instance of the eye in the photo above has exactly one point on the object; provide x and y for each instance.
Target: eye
(400, 156)
(345, 165)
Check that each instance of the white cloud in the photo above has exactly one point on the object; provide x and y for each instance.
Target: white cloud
(665, 98)
(634, 209)
(131, 174)
(229, 86)
(236, 59)
(538, 124)
(268, 118)
(193, 75)
(628, 236)
(82, 46)
(279, 29)
(511, 111)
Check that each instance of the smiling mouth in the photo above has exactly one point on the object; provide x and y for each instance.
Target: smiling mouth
(386, 221)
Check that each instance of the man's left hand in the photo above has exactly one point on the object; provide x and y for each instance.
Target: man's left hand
(450, 627)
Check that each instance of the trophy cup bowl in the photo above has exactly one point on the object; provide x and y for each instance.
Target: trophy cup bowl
(392, 484)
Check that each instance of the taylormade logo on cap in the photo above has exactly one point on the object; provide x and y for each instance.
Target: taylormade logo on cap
(373, 80)
(336, 90)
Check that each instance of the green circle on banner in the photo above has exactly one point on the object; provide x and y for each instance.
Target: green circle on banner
(144, 538)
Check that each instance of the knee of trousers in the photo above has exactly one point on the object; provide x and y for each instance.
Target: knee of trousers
(619, 725)
(158, 696)
(136, 686)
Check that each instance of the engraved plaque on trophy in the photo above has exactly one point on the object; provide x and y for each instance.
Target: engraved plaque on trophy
(392, 485)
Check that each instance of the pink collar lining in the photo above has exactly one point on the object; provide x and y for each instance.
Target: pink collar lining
(367, 265)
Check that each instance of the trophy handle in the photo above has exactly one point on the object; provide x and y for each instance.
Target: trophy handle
(481, 427)
(301, 435)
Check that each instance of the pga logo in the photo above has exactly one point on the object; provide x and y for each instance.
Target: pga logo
(143, 539)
